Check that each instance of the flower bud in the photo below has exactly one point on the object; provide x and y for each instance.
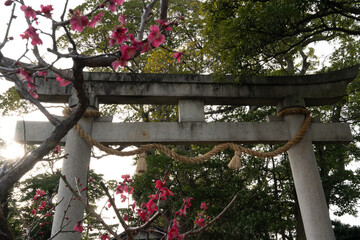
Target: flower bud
(8, 2)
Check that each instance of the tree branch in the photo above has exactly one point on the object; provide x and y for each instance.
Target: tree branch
(89, 208)
(194, 231)
(144, 17)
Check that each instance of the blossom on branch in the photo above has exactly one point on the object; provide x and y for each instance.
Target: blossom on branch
(31, 33)
(122, 19)
(113, 3)
(29, 12)
(146, 47)
(178, 56)
(46, 10)
(30, 84)
(8, 2)
(95, 19)
(164, 24)
(155, 36)
(134, 41)
(79, 227)
(78, 21)
(118, 35)
(200, 221)
(62, 82)
(105, 236)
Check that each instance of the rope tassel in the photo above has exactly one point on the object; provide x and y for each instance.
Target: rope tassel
(235, 162)
(141, 163)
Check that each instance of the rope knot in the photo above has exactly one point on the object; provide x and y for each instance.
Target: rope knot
(235, 162)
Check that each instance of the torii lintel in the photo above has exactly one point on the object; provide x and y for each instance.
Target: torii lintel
(125, 88)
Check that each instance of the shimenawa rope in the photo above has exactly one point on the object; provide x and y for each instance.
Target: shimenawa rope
(235, 162)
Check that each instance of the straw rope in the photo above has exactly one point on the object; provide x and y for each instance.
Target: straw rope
(235, 163)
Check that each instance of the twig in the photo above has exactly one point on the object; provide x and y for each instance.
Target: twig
(122, 221)
(91, 211)
(194, 231)
(8, 28)
(144, 17)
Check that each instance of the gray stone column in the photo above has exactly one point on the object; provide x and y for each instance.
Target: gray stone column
(191, 111)
(75, 168)
(309, 190)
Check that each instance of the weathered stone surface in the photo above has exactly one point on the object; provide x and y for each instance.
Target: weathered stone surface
(191, 132)
(320, 89)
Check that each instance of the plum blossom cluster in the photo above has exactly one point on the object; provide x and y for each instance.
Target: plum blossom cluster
(124, 187)
(145, 211)
(202, 217)
(128, 49)
(41, 209)
(31, 87)
(128, 45)
(200, 221)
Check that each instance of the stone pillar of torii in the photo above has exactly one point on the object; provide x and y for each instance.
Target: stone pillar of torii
(191, 93)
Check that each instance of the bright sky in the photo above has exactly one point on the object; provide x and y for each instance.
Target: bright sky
(16, 48)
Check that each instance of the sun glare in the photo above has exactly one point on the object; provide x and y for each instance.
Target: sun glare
(11, 151)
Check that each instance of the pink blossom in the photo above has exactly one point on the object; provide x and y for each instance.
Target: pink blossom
(151, 206)
(8, 2)
(118, 35)
(57, 149)
(119, 62)
(128, 189)
(123, 198)
(31, 33)
(40, 192)
(133, 205)
(42, 205)
(154, 196)
(113, 3)
(79, 227)
(62, 82)
(32, 90)
(122, 19)
(135, 41)
(164, 24)
(146, 47)
(95, 19)
(174, 230)
(128, 52)
(203, 206)
(200, 221)
(30, 85)
(33, 212)
(78, 21)
(120, 188)
(126, 177)
(178, 56)
(105, 236)
(126, 217)
(155, 36)
(165, 192)
(46, 10)
(159, 184)
(26, 75)
(187, 204)
(29, 12)
(41, 73)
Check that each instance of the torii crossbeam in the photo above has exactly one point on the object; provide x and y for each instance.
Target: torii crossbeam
(191, 93)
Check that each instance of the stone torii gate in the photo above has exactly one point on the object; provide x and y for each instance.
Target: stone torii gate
(191, 93)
